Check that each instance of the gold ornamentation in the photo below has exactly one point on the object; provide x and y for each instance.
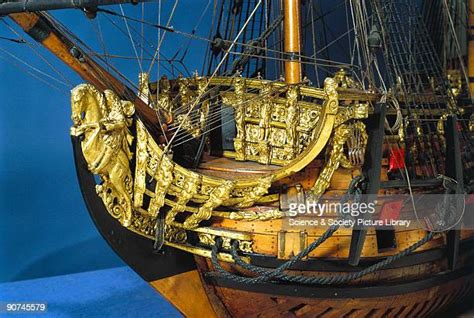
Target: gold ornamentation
(350, 135)
(175, 186)
(175, 235)
(143, 224)
(256, 192)
(417, 122)
(204, 105)
(291, 130)
(263, 215)
(272, 129)
(357, 111)
(455, 82)
(143, 87)
(343, 80)
(210, 240)
(189, 188)
(103, 119)
(440, 124)
(164, 98)
(341, 135)
(471, 123)
(216, 198)
(292, 119)
(206, 239)
(164, 178)
(401, 131)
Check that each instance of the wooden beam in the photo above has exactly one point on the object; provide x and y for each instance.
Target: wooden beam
(40, 27)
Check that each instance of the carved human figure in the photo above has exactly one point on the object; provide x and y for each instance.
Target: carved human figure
(265, 109)
(292, 115)
(239, 108)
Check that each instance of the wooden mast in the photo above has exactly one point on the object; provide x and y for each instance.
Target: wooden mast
(292, 36)
(39, 27)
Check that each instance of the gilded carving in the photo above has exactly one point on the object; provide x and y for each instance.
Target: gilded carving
(210, 240)
(455, 82)
(357, 111)
(263, 215)
(216, 198)
(341, 134)
(471, 123)
(265, 111)
(440, 124)
(343, 80)
(164, 98)
(143, 88)
(164, 177)
(277, 131)
(257, 192)
(292, 115)
(103, 119)
(346, 135)
(175, 234)
(189, 188)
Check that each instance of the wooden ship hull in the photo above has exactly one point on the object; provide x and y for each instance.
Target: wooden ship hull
(418, 285)
(213, 239)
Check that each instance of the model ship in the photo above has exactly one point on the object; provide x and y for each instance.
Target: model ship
(192, 179)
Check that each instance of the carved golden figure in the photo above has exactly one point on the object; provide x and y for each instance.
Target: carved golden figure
(103, 120)
(265, 110)
(164, 178)
(292, 115)
(164, 98)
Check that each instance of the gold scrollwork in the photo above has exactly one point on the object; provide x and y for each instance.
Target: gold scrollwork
(262, 215)
(190, 187)
(350, 135)
(164, 178)
(216, 198)
(256, 192)
(341, 134)
(175, 235)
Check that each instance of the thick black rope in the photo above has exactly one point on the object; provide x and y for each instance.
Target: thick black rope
(278, 274)
(326, 280)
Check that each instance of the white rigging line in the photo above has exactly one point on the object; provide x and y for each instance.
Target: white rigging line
(34, 48)
(31, 67)
(213, 74)
(131, 39)
(161, 38)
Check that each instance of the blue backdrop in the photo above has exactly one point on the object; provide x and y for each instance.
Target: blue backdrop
(45, 229)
